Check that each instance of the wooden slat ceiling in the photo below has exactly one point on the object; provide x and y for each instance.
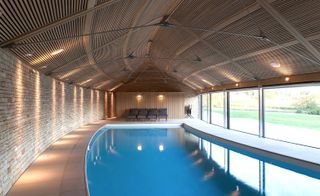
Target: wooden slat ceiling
(101, 51)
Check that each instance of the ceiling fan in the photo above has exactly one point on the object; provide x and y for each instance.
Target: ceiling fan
(131, 56)
(164, 23)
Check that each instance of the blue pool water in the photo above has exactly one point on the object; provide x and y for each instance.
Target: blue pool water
(177, 162)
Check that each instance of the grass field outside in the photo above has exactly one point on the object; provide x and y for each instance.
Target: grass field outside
(282, 118)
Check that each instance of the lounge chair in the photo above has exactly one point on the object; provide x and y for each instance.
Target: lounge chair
(152, 114)
(132, 115)
(162, 113)
(142, 114)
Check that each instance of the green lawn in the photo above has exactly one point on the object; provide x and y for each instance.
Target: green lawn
(288, 119)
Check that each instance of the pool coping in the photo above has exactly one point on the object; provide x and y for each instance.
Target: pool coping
(212, 131)
(312, 163)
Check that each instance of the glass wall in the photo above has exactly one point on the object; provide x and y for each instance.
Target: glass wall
(293, 114)
(205, 107)
(217, 108)
(244, 111)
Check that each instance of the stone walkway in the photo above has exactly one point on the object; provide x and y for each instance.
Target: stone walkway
(59, 171)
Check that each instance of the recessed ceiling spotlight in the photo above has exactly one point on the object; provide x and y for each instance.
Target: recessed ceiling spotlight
(287, 79)
(28, 55)
(57, 51)
(275, 64)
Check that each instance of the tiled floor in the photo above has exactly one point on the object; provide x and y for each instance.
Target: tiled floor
(60, 169)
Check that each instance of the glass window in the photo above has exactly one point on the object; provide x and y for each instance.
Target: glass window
(205, 107)
(244, 111)
(217, 109)
(293, 114)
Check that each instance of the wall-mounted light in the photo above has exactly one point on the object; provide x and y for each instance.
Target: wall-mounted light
(287, 79)
(160, 97)
(237, 84)
(139, 97)
(57, 51)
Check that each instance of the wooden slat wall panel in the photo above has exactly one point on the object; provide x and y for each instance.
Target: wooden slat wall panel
(173, 101)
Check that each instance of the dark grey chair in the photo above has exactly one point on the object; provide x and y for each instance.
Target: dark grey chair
(162, 113)
(152, 114)
(143, 113)
(133, 113)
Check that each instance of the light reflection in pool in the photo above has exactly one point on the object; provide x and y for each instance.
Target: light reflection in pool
(176, 162)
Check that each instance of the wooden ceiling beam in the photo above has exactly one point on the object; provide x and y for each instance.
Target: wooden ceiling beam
(87, 40)
(56, 69)
(294, 32)
(56, 23)
(294, 79)
(242, 13)
(169, 13)
(243, 70)
(130, 32)
(256, 53)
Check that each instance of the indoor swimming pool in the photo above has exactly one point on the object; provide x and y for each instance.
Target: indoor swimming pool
(175, 161)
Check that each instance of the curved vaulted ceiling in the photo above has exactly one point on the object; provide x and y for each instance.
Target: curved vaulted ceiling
(193, 43)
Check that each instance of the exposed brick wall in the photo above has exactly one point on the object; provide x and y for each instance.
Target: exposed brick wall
(35, 111)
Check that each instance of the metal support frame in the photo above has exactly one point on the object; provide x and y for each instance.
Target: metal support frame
(200, 106)
(226, 105)
(210, 108)
(261, 113)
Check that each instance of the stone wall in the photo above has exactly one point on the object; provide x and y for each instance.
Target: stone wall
(35, 111)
